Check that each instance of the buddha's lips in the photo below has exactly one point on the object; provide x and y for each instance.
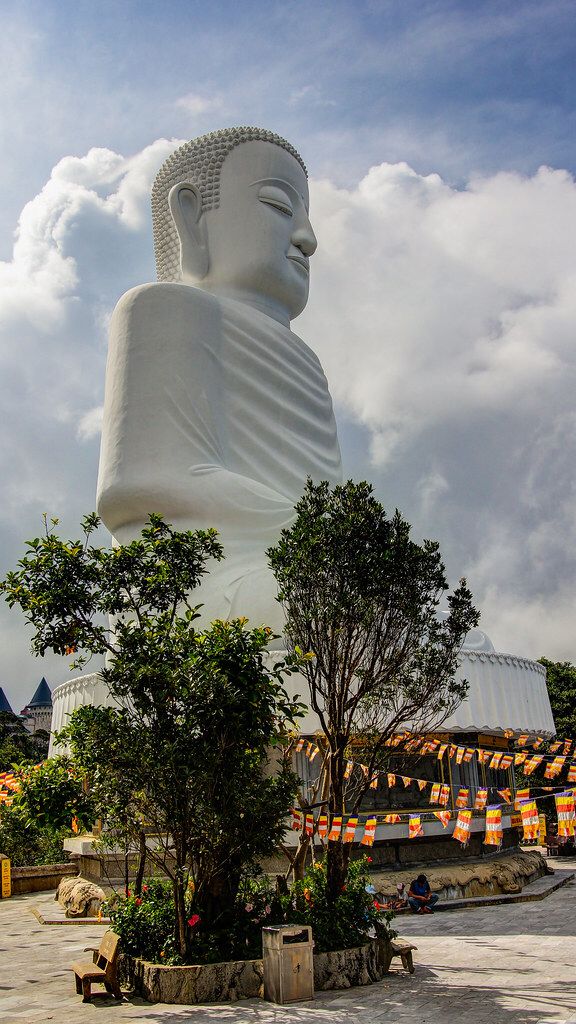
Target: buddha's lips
(302, 261)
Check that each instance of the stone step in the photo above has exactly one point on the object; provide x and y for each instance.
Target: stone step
(537, 890)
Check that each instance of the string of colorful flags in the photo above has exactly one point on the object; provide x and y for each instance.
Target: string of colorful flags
(335, 830)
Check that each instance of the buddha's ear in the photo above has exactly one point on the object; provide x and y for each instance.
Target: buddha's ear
(185, 202)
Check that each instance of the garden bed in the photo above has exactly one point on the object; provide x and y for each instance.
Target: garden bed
(243, 979)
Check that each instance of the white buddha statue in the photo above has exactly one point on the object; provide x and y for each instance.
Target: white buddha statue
(215, 412)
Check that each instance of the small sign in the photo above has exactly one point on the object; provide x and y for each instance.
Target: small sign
(6, 878)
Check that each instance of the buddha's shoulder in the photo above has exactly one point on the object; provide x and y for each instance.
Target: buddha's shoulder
(165, 302)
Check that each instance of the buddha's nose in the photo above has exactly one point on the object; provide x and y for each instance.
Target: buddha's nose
(304, 238)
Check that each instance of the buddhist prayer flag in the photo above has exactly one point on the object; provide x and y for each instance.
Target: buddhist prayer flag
(323, 826)
(374, 782)
(443, 816)
(506, 761)
(299, 745)
(532, 763)
(567, 747)
(421, 784)
(554, 768)
(312, 753)
(406, 780)
(520, 758)
(521, 796)
(392, 819)
(538, 742)
(391, 780)
(364, 770)
(555, 746)
(369, 832)
(444, 794)
(481, 798)
(451, 750)
(530, 820)
(495, 762)
(506, 795)
(296, 820)
(462, 798)
(309, 825)
(462, 827)
(508, 733)
(441, 751)
(435, 793)
(468, 755)
(348, 769)
(350, 830)
(483, 756)
(572, 773)
(493, 836)
(336, 830)
(565, 813)
(522, 740)
(415, 827)
(460, 751)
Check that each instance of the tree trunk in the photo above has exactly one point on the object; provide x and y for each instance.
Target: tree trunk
(141, 864)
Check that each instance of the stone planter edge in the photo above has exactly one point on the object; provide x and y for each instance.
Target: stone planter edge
(244, 979)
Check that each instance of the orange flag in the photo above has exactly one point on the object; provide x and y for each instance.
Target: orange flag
(336, 830)
(415, 827)
(444, 817)
(323, 826)
(350, 830)
(462, 827)
(369, 832)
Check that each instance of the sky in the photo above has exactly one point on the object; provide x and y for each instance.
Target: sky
(441, 146)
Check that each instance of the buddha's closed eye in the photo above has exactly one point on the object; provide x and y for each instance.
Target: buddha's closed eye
(277, 198)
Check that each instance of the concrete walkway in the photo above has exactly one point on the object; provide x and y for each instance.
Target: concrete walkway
(508, 964)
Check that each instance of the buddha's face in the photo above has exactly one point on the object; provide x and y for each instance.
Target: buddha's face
(259, 240)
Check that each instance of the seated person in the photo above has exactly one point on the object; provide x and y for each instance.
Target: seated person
(401, 900)
(420, 899)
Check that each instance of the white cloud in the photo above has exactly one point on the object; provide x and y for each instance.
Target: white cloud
(197, 104)
(445, 321)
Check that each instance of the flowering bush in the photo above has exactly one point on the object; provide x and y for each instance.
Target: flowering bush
(146, 923)
(342, 924)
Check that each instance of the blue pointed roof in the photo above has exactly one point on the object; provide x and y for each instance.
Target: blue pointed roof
(4, 703)
(42, 696)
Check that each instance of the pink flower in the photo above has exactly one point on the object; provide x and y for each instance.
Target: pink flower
(267, 910)
(194, 920)
(249, 907)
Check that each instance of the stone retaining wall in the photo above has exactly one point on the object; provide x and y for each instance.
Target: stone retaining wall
(244, 979)
(40, 877)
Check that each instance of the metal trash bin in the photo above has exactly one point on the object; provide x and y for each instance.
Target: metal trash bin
(287, 954)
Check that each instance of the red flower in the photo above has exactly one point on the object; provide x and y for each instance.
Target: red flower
(144, 888)
(138, 901)
(194, 920)
(369, 859)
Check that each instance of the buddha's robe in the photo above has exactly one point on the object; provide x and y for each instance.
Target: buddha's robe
(214, 415)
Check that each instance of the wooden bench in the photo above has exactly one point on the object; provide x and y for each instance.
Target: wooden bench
(103, 968)
(399, 947)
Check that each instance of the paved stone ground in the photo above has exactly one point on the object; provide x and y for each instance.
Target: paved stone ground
(512, 964)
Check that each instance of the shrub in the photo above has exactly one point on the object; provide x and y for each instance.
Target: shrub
(146, 923)
(341, 924)
(26, 842)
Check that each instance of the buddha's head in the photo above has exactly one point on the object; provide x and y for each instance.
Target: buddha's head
(230, 215)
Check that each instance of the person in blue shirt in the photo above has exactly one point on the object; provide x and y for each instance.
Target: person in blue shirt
(420, 899)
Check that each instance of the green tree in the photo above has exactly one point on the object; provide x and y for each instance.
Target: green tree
(52, 794)
(561, 686)
(184, 753)
(17, 746)
(362, 597)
